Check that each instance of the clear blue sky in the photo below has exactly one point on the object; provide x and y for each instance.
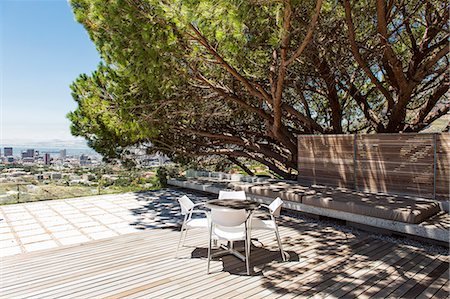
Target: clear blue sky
(43, 49)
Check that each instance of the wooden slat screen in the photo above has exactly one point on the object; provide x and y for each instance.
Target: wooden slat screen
(390, 163)
(443, 166)
(326, 159)
(395, 163)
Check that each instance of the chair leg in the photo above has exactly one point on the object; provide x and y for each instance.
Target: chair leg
(247, 252)
(184, 238)
(209, 248)
(179, 242)
(283, 256)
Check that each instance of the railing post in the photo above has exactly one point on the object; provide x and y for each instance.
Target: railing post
(434, 163)
(355, 149)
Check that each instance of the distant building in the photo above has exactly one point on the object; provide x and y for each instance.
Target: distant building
(8, 151)
(29, 153)
(62, 154)
(47, 159)
(55, 175)
(85, 160)
(28, 160)
(88, 176)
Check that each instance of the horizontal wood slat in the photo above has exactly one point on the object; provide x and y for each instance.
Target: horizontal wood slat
(443, 166)
(392, 163)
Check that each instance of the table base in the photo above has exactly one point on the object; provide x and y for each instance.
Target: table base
(228, 250)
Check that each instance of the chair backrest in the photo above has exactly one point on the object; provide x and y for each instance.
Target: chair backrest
(186, 204)
(228, 217)
(275, 207)
(232, 195)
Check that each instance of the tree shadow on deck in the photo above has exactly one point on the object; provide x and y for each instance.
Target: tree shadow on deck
(346, 267)
(326, 259)
(161, 210)
(260, 258)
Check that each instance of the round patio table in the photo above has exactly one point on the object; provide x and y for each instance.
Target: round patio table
(235, 204)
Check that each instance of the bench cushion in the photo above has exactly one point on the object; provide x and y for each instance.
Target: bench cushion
(391, 207)
(285, 190)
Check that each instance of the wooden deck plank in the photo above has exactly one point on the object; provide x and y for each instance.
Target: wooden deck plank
(426, 280)
(49, 283)
(232, 278)
(305, 254)
(402, 275)
(306, 260)
(346, 274)
(193, 288)
(443, 291)
(91, 261)
(420, 275)
(381, 272)
(350, 283)
(66, 253)
(88, 262)
(193, 280)
(143, 265)
(171, 272)
(435, 286)
(313, 269)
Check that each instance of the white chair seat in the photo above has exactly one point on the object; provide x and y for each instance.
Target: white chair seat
(197, 223)
(230, 233)
(262, 224)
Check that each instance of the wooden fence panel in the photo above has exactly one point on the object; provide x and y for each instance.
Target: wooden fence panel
(391, 163)
(443, 166)
(326, 160)
(395, 163)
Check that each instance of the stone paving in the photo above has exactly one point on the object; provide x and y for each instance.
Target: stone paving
(49, 224)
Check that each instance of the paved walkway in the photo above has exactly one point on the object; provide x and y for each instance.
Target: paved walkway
(49, 224)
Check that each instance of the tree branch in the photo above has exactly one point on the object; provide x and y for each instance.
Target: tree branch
(309, 34)
(235, 99)
(394, 63)
(256, 90)
(359, 59)
(364, 105)
(235, 161)
(308, 121)
(277, 97)
(431, 102)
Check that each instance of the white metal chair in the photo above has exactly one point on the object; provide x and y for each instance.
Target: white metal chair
(187, 209)
(229, 225)
(232, 195)
(274, 210)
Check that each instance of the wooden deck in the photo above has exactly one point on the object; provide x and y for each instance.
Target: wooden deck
(324, 262)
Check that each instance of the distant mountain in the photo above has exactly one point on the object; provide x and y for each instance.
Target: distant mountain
(54, 143)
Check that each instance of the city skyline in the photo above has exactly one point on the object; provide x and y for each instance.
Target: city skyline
(43, 49)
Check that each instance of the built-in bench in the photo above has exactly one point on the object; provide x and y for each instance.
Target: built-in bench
(390, 207)
(389, 212)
